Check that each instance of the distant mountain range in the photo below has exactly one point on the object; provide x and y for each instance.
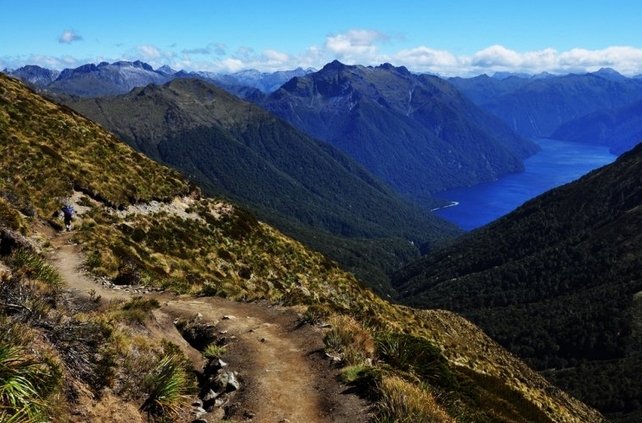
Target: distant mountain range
(93, 80)
(266, 82)
(416, 132)
(35, 75)
(557, 282)
(307, 188)
(537, 106)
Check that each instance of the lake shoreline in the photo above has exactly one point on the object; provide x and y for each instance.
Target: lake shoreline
(557, 163)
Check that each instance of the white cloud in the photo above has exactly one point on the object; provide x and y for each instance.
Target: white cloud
(232, 65)
(212, 48)
(68, 36)
(366, 47)
(427, 58)
(355, 45)
(495, 56)
(276, 56)
(149, 52)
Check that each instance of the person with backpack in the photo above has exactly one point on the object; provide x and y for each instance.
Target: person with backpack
(68, 214)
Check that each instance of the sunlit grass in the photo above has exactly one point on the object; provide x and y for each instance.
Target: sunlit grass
(403, 402)
(165, 386)
(25, 383)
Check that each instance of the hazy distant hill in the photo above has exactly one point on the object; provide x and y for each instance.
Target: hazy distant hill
(92, 80)
(305, 187)
(34, 75)
(415, 132)
(265, 82)
(558, 282)
(105, 79)
(536, 107)
(620, 129)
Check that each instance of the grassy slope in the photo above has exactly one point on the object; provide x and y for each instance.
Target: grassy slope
(428, 354)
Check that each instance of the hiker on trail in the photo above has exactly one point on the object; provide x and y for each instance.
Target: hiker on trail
(68, 214)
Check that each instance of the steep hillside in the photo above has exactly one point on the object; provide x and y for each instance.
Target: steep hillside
(305, 187)
(417, 365)
(415, 132)
(536, 107)
(620, 129)
(558, 283)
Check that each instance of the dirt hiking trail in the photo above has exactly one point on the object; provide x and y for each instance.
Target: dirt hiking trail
(281, 366)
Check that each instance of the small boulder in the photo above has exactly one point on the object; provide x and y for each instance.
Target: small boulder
(227, 381)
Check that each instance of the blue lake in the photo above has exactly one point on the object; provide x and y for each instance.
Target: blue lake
(558, 163)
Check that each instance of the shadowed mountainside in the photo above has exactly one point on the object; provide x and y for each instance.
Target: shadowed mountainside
(537, 106)
(558, 283)
(416, 132)
(620, 129)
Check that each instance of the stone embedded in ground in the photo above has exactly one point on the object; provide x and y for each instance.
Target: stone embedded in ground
(227, 381)
(210, 395)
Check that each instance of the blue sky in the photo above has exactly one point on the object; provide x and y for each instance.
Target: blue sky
(445, 37)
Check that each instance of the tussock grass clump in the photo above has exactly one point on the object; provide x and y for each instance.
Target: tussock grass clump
(214, 351)
(138, 309)
(415, 355)
(166, 386)
(35, 267)
(25, 383)
(10, 217)
(403, 402)
(350, 339)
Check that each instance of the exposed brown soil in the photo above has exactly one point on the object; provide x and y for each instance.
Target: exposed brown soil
(281, 366)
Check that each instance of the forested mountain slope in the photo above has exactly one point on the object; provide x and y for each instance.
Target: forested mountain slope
(557, 282)
(416, 132)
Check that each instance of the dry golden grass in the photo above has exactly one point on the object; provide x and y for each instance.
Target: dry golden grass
(403, 402)
(349, 338)
(47, 150)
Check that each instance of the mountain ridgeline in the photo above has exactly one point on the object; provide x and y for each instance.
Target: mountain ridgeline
(95, 80)
(557, 282)
(305, 187)
(537, 106)
(415, 132)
